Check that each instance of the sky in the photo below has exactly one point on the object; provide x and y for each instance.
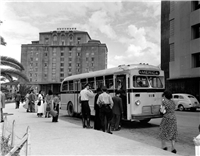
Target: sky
(130, 29)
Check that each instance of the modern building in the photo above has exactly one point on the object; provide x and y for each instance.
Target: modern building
(59, 54)
(180, 45)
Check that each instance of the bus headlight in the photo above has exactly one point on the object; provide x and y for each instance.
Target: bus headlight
(137, 102)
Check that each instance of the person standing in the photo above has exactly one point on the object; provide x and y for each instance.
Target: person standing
(97, 121)
(49, 101)
(117, 111)
(2, 105)
(168, 125)
(17, 100)
(40, 104)
(85, 95)
(32, 99)
(56, 102)
(106, 103)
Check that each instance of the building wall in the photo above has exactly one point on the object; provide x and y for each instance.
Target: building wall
(50, 61)
(182, 52)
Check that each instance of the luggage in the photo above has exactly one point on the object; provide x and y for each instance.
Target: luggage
(53, 113)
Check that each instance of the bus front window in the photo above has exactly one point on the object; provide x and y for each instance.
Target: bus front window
(140, 81)
(155, 82)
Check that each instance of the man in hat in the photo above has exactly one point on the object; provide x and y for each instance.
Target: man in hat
(106, 103)
(2, 105)
(85, 95)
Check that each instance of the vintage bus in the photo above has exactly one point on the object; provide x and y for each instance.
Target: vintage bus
(141, 86)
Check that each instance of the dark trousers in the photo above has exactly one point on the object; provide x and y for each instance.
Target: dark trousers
(31, 107)
(97, 120)
(17, 104)
(55, 119)
(1, 111)
(105, 116)
(85, 110)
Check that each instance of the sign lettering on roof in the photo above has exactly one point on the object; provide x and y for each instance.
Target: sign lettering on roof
(148, 72)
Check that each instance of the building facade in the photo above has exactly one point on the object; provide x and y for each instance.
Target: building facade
(59, 54)
(180, 45)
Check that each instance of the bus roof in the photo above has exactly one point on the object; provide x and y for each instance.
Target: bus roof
(110, 71)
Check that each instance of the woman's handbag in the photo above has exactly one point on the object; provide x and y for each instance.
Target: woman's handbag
(162, 109)
(39, 103)
(53, 113)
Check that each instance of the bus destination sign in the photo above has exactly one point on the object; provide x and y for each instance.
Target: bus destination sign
(149, 72)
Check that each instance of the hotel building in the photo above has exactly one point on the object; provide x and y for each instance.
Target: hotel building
(59, 54)
(180, 46)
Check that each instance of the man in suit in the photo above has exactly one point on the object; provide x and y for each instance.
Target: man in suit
(117, 110)
(2, 105)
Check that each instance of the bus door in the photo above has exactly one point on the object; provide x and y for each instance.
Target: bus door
(77, 107)
(121, 84)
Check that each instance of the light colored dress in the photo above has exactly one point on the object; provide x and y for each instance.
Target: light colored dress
(41, 107)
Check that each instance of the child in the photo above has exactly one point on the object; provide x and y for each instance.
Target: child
(49, 101)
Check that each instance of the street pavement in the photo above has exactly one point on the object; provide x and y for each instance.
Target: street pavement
(64, 138)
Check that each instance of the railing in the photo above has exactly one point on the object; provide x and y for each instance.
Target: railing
(25, 140)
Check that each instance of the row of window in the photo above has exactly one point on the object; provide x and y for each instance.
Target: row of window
(108, 81)
(195, 5)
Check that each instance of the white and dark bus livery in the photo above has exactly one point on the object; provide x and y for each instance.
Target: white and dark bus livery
(141, 86)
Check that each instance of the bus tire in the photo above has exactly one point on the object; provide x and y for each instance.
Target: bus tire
(70, 109)
(145, 121)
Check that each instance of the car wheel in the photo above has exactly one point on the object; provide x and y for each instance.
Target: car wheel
(70, 109)
(181, 108)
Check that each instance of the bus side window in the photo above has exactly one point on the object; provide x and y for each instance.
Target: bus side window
(99, 82)
(71, 85)
(91, 82)
(65, 86)
(109, 82)
(83, 83)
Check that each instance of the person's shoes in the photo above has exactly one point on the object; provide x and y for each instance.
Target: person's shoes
(110, 132)
(84, 126)
(174, 151)
(165, 148)
(2, 120)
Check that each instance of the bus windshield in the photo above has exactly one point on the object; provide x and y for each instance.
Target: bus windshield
(147, 81)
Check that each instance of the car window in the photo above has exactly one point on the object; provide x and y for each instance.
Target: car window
(181, 97)
(191, 96)
(176, 96)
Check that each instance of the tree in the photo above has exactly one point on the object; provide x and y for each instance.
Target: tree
(16, 67)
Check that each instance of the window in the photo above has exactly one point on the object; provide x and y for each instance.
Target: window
(63, 43)
(45, 54)
(61, 69)
(62, 54)
(61, 49)
(61, 64)
(78, 64)
(195, 5)
(31, 59)
(86, 58)
(196, 60)
(109, 82)
(70, 64)
(71, 85)
(70, 59)
(91, 82)
(70, 49)
(54, 38)
(92, 58)
(46, 40)
(171, 31)
(78, 54)
(155, 82)
(61, 59)
(65, 86)
(61, 75)
(70, 54)
(196, 31)
(171, 52)
(69, 70)
(140, 81)
(78, 40)
(30, 74)
(99, 82)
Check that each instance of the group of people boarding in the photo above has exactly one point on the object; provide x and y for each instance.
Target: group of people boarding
(108, 110)
(44, 105)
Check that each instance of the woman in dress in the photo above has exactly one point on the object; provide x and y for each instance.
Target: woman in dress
(49, 101)
(168, 126)
(40, 105)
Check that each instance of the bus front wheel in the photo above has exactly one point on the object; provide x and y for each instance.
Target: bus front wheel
(70, 109)
(145, 121)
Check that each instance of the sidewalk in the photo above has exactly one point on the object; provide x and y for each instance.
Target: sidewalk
(64, 138)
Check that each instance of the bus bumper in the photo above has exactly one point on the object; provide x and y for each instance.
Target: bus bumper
(145, 117)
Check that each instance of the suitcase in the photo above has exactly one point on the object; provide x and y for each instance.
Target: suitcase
(53, 113)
